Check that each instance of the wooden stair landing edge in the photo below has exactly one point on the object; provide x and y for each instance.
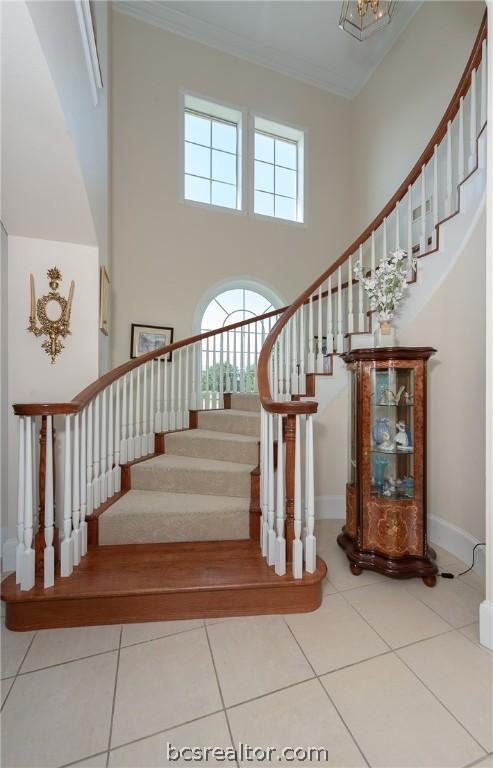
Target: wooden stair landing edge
(159, 582)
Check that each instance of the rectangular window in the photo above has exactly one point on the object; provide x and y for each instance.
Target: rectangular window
(212, 156)
(279, 171)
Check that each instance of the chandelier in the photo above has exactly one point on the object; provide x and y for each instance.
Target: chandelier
(361, 18)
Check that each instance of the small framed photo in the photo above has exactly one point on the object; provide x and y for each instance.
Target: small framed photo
(146, 338)
(104, 301)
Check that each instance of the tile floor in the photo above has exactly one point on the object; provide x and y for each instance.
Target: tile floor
(385, 673)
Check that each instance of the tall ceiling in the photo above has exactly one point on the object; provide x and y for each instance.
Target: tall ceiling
(299, 38)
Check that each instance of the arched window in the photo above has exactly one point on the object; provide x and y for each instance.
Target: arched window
(232, 357)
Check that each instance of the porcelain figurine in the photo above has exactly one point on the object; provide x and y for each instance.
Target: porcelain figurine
(387, 444)
(402, 438)
(388, 398)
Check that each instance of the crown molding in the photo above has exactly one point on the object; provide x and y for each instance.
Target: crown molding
(224, 40)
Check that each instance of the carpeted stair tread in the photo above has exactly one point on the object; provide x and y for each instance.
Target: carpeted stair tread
(213, 444)
(245, 402)
(187, 474)
(141, 517)
(231, 420)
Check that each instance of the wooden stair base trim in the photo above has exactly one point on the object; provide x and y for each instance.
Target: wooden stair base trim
(158, 582)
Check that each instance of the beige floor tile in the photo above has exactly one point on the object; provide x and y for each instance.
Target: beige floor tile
(473, 579)
(396, 721)
(5, 687)
(486, 763)
(98, 761)
(472, 633)
(151, 630)
(396, 614)
(328, 588)
(152, 752)
(162, 684)
(335, 635)
(56, 646)
(14, 647)
(338, 572)
(447, 561)
(461, 676)
(59, 715)
(254, 656)
(301, 716)
(453, 600)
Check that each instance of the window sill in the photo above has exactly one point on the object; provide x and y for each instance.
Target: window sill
(279, 220)
(212, 207)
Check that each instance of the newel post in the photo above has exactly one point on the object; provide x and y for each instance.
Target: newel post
(290, 440)
(39, 540)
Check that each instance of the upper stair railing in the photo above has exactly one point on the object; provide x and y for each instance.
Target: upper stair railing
(320, 320)
(110, 423)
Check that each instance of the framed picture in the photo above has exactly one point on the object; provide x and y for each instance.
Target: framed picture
(104, 301)
(145, 338)
(327, 362)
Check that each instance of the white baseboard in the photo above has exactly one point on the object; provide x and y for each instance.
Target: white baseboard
(457, 541)
(330, 507)
(8, 555)
(486, 624)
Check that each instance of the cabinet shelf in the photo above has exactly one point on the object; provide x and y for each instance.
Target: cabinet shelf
(393, 453)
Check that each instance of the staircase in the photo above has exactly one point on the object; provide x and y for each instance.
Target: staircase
(186, 489)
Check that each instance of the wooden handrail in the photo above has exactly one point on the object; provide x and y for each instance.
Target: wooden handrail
(89, 393)
(300, 407)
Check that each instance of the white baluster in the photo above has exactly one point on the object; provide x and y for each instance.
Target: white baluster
(83, 482)
(280, 555)
(460, 162)
(130, 440)
(166, 368)
(89, 461)
(242, 360)
(350, 315)
(409, 229)
(34, 468)
(179, 415)
(320, 341)
(247, 331)
(448, 199)
(193, 398)
(172, 415)
(397, 227)
(271, 538)
(276, 385)
(21, 480)
(340, 337)
(207, 386)
(361, 309)
(117, 472)
(282, 369)
(76, 494)
(111, 436)
(234, 373)
(103, 480)
(145, 429)
(160, 406)
(434, 201)
(310, 542)
(66, 547)
(264, 477)
(138, 433)
(287, 360)
(384, 237)
(221, 370)
(294, 355)
(27, 554)
(330, 331)
(124, 440)
(256, 358)
(422, 239)
(302, 374)
(96, 434)
(472, 125)
(186, 405)
(49, 552)
(311, 354)
(152, 409)
(297, 543)
(372, 256)
(483, 105)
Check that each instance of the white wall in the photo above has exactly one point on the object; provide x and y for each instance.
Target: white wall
(59, 34)
(3, 381)
(31, 376)
(169, 253)
(396, 114)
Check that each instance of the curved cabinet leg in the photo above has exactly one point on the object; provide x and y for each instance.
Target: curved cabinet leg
(430, 581)
(355, 569)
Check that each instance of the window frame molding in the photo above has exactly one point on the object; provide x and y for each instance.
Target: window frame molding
(241, 158)
(302, 183)
(245, 282)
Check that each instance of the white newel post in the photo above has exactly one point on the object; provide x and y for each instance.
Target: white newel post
(49, 552)
(66, 547)
(310, 543)
(21, 479)
(297, 543)
(280, 554)
(76, 494)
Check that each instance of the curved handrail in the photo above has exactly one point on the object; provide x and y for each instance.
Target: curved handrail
(92, 390)
(300, 407)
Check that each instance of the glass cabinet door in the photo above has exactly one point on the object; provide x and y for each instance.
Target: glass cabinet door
(391, 438)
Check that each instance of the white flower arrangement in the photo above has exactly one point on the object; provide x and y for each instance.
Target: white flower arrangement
(387, 285)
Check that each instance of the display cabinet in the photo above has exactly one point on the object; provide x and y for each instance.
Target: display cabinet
(385, 526)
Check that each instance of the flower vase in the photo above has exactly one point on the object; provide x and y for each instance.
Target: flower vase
(385, 334)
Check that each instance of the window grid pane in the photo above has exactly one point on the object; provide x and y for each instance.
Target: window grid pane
(268, 198)
(211, 159)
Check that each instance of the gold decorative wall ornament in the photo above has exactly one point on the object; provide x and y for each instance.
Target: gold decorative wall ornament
(53, 314)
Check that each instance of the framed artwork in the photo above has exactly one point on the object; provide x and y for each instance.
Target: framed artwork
(145, 338)
(104, 301)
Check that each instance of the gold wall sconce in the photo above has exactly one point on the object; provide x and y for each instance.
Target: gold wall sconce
(52, 311)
